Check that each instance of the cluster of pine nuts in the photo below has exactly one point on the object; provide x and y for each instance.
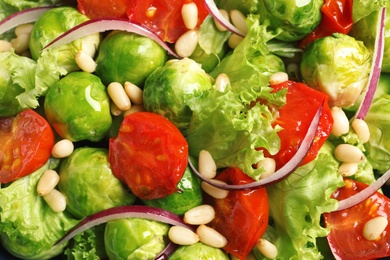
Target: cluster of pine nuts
(126, 99)
(186, 43)
(238, 19)
(349, 155)
(20, 43)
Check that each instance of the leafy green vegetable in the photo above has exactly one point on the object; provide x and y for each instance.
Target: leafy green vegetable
(31, 237)
(363, 8)
(297, 202)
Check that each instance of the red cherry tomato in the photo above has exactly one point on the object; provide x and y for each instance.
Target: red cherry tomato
(241, 217)
(295, 117)
(346, 238)
(336, 17)
(106, 8)
(26, 143)
(149, 154)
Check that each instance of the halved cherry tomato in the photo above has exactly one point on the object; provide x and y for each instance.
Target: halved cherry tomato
(346, 238)
(295, 117)
(242, 217)
(336, 17)
(26, 143)
(149, 154)
(161, 16)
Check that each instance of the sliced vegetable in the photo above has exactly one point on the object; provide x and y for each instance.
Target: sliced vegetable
(103, 9)
(149, 154)
(346, 238)
(107, 24)
(26, 142)
(120, 212)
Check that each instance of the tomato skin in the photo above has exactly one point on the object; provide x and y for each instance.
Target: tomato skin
(26, 143)
(295, 117)
(345, 238)
(149, 154)
(106, 8)
(336, 17)
(242, 217)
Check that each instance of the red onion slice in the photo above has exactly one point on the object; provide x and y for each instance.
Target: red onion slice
(168, 250)
(120, 212)
(364, 194)
(283, 172)
(107, 24)
(375, 68)
(22, 17)
(214, 11)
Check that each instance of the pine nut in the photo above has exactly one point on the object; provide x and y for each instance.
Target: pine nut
(62, 148)
(340, 121)
(266, 248)
(373, 228)
(21, 43)
(348, 169)
(202, 214)
(361, 129)
(23, 28)
(278, 77)
(182, 236)
(234, 40)
(206, 165)
(210, 236)
(189, 13)
(221, 82)
(47, 182)
(134, 92)
(56, 200)
(269, 166)
(239, 21)
(348, 153)
(5, 46)
(118, 96)
(85, 62)
(187, 43)
(214, 191)
(115, 111)
(133, 109)
(218, 25)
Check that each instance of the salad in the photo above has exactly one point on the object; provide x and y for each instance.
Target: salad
(194, 129)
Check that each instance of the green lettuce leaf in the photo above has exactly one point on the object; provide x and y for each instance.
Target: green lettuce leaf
(362, 8)
(211, 40)
(297, 203)
(28, 226)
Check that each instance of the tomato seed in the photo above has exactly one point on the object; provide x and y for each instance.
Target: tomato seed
(266, 248)
(134, 92)
(56, 200)
(278, 77)
(202, 214)
(340, 121)
(214, 191)
(373, 228)
(47, 182)
(118, 96)
(348, 153)
(206, 165)
(210, 236)
(62, 148)
(189, 13)
(361, 129)
(239, 21)
(85, 62)
(182, 236)
(187, 43)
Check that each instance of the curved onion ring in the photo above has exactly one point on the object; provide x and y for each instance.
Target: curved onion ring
(22, 17)
(168, 250)
(107, 24)
(214, 11)
(376, 66)
(120, 212)
(363, 194)
(283, 172)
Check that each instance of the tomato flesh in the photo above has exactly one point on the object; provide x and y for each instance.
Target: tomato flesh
(241, 217)
(106, 8)
(346, 238)
(295, 117)
(26, 143)
(149, 154)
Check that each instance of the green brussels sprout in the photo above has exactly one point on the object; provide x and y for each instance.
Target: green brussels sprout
(168, 89)
(188, 196)
(90, 119)
(125, 56)
(52, 24)
(87, 182)
(337, 65)
(295, 19)
(198, 251)
(134, 238)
